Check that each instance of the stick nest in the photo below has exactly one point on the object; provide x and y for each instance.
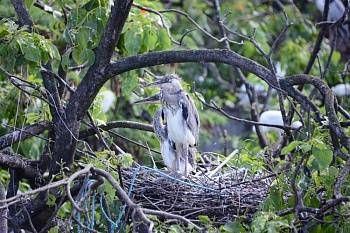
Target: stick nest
(223, 197)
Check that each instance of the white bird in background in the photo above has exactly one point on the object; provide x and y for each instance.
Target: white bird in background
(108, 100)
(167, 147)
(336, 9)
(341, 90)
(275, 117)
(182, 119)
(340, 34)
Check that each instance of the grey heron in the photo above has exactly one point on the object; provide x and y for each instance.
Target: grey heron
(168, 149)
(181, 115)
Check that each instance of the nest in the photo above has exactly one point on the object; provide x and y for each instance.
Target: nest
(222, 197)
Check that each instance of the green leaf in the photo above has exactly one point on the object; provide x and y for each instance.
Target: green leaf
(66, 60)
(322, 157)
(129, 83)
(149, 39)
(126, 160)
(32, 117)
(83, 55)
(204, 219)
(3, 31)
(290, 147)
(233, 227)
(30, 51)
(83, 37)
(51, 200)
(54, 229)
(133, 41)
(29, 3)
(105, 154)
(164, 41)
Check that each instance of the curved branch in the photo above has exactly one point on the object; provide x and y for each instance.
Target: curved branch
(117, 124)
(88, 88)
(334, 126)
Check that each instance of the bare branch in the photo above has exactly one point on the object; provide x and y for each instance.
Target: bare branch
(171, 216)
(23, 133)
(3, 211)
(13, 161)
(70, 181)
(67, 131)
(343, 174)
(319, 39)
(22, 13)
(138, 213)
(117, 124)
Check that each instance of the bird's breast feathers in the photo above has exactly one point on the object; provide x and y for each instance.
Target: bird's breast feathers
(178, 130)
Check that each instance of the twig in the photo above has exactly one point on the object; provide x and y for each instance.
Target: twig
(138, 214)
(171, 216)
(19, 196)
(69, 182)
(228, 158)
(344, 172)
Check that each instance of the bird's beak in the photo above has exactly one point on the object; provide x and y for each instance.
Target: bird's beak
(152, 99)
(157, 82)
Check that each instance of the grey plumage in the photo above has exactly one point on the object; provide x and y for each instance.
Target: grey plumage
(167, 147)
(181, 117)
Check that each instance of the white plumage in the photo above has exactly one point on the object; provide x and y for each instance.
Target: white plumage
(168, 156)
(275, 117)
(182, 119)
(167, 148)
(177, 128)
(341, 89)
(108, 99)
(336, 9)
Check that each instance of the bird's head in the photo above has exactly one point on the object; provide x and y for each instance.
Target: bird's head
(169, 82)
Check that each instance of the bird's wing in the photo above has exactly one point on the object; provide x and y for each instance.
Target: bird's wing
(190, 114)
(159, 128)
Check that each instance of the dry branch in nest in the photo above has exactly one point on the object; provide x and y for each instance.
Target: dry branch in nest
(223, 197)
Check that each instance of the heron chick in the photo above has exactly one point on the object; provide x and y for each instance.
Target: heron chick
(181, 116)
(167, 147)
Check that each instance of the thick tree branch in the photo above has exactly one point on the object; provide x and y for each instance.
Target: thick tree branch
(22, 13)
(67, 131)
(23, 167)
(23, 133)
(117, 124)
(91, 87)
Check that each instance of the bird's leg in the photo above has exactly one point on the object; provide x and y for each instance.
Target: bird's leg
(185, 148)
(177, 157)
